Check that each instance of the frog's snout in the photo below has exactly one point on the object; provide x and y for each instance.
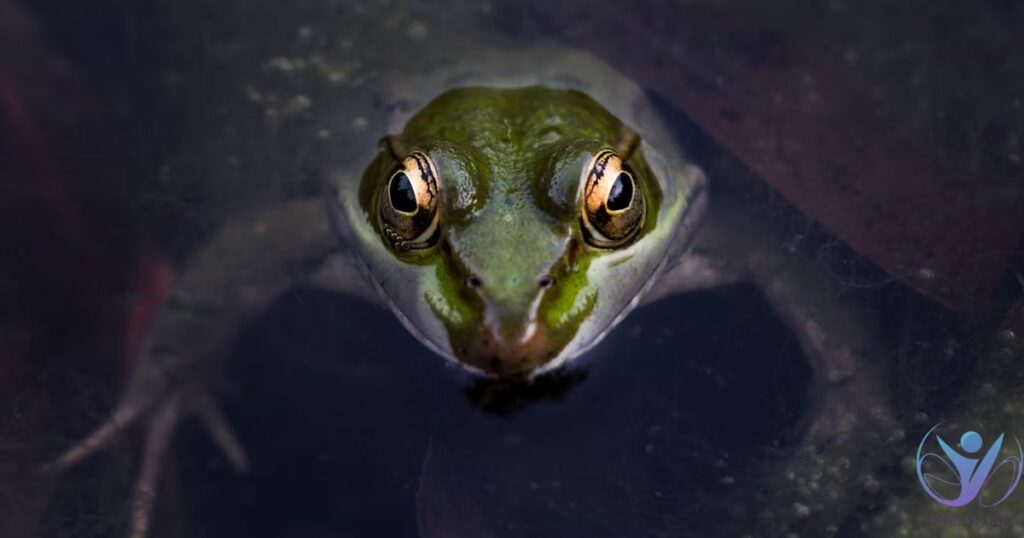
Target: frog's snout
(511, 341)
(491, 352)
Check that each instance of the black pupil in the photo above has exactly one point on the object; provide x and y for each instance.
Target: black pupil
(403, 197)
(621, 194)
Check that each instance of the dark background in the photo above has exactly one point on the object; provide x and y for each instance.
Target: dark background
(896, 127)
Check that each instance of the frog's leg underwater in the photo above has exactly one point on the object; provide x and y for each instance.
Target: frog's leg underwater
(847, 416)
(242, 269)
(849, 386)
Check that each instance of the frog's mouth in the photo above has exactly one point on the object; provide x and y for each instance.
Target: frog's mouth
(507, 343)
(488, 352)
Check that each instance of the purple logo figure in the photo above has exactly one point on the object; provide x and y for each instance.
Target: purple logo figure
(970, 471)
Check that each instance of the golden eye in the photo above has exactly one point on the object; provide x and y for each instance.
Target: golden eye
(612, 209)
(409, 204)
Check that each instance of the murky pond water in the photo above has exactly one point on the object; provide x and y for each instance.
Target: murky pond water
(882, 142)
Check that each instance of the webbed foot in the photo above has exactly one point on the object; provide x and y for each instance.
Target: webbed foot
(158, 413)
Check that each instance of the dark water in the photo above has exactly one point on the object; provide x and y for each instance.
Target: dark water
(122, 132)
(341, 426)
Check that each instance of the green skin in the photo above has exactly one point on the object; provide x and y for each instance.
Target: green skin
(509, 150)
(510, 163)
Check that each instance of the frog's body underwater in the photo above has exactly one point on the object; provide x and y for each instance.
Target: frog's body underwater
(510, 222)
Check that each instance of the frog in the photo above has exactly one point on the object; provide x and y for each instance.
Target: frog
(510, 213)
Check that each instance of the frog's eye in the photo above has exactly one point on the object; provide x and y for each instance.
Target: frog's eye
(409, 206)
(612, 208)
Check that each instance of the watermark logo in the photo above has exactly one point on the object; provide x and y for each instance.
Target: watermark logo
(959, 475)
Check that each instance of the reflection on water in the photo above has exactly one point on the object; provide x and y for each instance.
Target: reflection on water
(681, 423)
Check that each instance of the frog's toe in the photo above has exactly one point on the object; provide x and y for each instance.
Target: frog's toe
(158, 439)
(160, 433)
(127, 413)
(217, 425)
(159, 414)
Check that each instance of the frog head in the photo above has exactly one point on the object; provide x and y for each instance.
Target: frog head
(510, 229)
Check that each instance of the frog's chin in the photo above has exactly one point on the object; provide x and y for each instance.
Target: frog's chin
(491, 359)
(485, 356)
(432, 334)
(485, 353)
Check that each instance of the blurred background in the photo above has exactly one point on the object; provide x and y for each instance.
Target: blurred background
(887, 138)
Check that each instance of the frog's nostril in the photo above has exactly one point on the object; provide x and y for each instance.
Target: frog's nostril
(474, 281)
(546, 281)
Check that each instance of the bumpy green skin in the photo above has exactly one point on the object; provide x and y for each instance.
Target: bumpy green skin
(510, 163)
